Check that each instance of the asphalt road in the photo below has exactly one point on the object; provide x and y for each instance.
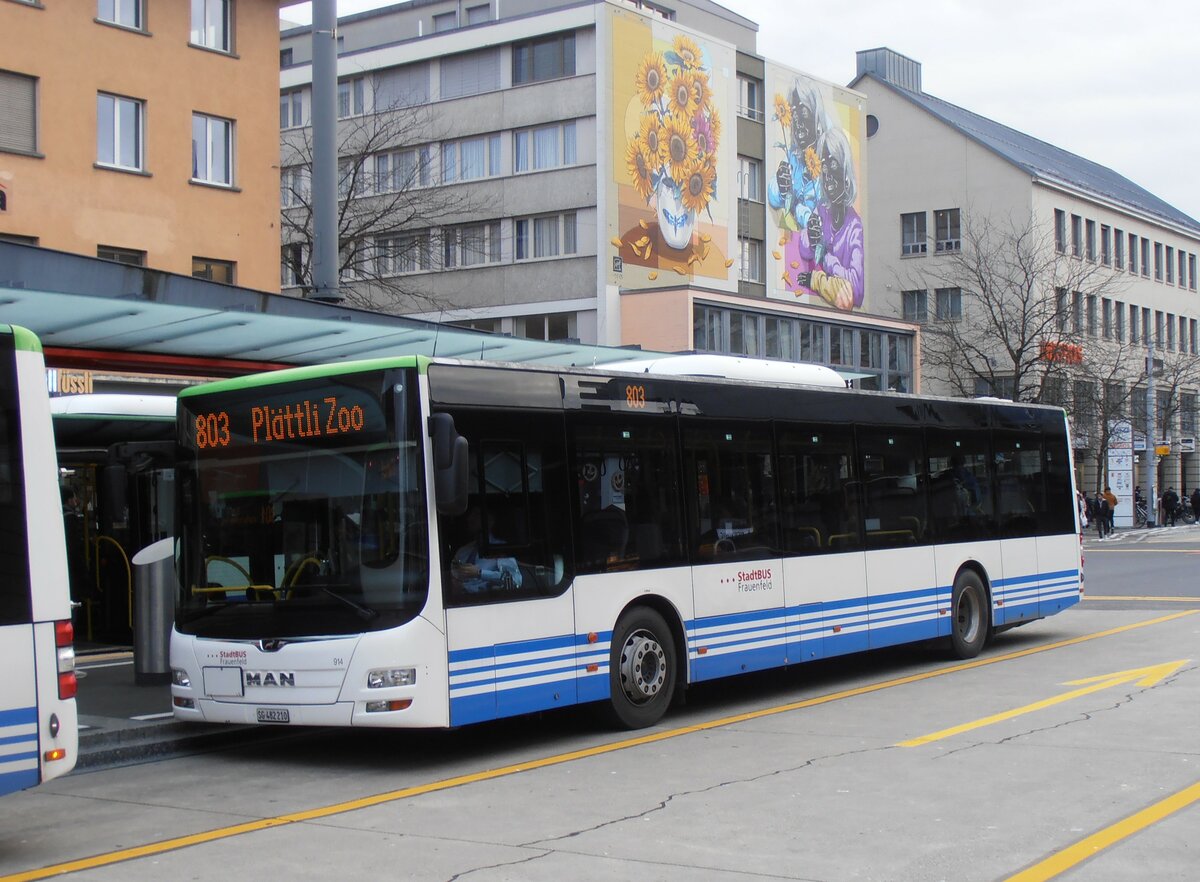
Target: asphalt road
(1069, 749)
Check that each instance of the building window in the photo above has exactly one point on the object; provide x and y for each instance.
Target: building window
(119, 131)
(1076, 236)
(1183, 334)
(291, 109)
(291, 265)
(1077, 312)
(285, 58)
(293, 186)
(126, 13)
(445, 21)
(750, 178)
(352, 179)
(1133, 324)
(1091, 315)
(544, 147)
(1158, 262)
(1187, 412)
(1119, 321)
(408, 253)
(128, 256)
(948, 304)
(401, 170)
(478, 14)
(18, 122)
(1091, 239)
(1062, 312)
(1133, 253)
(1118, 249)
(545, 327)
(213, 270)
(352, 99)
(1060, 231)
(212, 24)
(470, 159)
(1158, 329)
(212, 150)
(750, 98)
(750, 267)
(1170, 262)
(469, 73)
(1192, 272)
(915, 304)
(912, 233)
(548, 236)
(1182, 269)
(1192, 337)
(544, 58)
(1146, 257)
(1106, 313)
(471, 245)
(1105, 245)
(946, 230)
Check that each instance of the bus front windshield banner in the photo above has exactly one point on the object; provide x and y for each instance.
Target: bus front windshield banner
(303, 508)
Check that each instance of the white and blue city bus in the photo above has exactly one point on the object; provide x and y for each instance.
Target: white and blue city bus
(38, 717)
(407, 542)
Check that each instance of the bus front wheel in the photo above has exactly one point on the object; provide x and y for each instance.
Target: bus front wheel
(642, 669)
(969, 614)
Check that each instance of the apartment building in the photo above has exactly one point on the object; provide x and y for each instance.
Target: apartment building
(143, 131)
(617, 172)
(940, 169)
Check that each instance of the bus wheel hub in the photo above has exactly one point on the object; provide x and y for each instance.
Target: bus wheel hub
(643, 667)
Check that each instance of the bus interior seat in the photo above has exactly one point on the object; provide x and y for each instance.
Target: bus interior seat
(605, 534)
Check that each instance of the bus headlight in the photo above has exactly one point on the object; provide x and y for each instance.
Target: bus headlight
(179, 677)
(385, 677)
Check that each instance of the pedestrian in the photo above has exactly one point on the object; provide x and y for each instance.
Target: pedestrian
(1102, 515)
(1196, 504)
(1111, 498)
(1170, 503)
(1081, 502)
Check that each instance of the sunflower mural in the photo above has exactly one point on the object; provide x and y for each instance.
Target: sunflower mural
(672, 152)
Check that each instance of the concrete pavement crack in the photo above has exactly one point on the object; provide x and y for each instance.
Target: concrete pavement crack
(497, 866)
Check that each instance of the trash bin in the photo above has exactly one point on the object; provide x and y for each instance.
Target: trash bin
(153, 612)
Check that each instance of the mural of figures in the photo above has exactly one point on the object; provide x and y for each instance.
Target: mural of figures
(672, 202)
(814, 196)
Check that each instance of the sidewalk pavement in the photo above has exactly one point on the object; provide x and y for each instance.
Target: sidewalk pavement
(121, 722)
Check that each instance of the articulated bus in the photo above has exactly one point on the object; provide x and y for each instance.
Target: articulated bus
(38, 718)
(427, 543)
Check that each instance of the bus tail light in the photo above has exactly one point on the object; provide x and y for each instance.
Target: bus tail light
(55, 754)
(64, 638)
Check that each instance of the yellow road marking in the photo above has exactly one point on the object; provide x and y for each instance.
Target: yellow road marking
(1142, 676)
(1141, 597)
(1111, 835)
(115, 857)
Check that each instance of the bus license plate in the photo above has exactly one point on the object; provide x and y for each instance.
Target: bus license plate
(273, 715)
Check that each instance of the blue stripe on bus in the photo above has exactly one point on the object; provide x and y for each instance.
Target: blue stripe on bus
(886, 619)
(17, 739)
(10, 782)
(18, 716)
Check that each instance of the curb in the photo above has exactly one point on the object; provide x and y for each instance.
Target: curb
(104, 748)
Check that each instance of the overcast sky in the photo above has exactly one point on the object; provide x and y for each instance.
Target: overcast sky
(1114, 82)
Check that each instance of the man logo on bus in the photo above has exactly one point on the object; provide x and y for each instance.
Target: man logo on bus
(270, 678)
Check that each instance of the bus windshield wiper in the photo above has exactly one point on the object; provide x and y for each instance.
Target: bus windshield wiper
(364, 612)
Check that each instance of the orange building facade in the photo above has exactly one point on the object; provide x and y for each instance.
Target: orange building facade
(144, 131)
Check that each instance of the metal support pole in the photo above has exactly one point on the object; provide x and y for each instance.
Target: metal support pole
(324, 134)
(1151, 436)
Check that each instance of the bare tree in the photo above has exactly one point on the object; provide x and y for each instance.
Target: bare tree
(1104, 385)
(390, 207)
(1023, 315)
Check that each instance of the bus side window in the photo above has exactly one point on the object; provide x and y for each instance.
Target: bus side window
(892, 463)
(1019, 491)
(818, 489)
(626, 492)
(513, 541)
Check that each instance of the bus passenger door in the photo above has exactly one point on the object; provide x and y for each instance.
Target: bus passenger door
(737, 581)
(510, 622)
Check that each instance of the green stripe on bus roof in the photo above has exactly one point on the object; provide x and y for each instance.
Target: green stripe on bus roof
(308, 372)
(23, 338)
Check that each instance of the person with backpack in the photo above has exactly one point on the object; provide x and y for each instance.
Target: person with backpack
(1103, 513)
(1170, 504)
(1111, 499)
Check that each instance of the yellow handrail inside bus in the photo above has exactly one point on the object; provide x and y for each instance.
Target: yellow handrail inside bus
(128, 569)
(233, 563)
(295, 570)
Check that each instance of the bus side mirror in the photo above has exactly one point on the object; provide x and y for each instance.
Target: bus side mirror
(451, 464)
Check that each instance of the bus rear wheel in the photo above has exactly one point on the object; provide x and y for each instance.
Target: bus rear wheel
(642, 669)
(969, 615)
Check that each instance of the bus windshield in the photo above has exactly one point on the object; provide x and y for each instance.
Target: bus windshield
(302, 507)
